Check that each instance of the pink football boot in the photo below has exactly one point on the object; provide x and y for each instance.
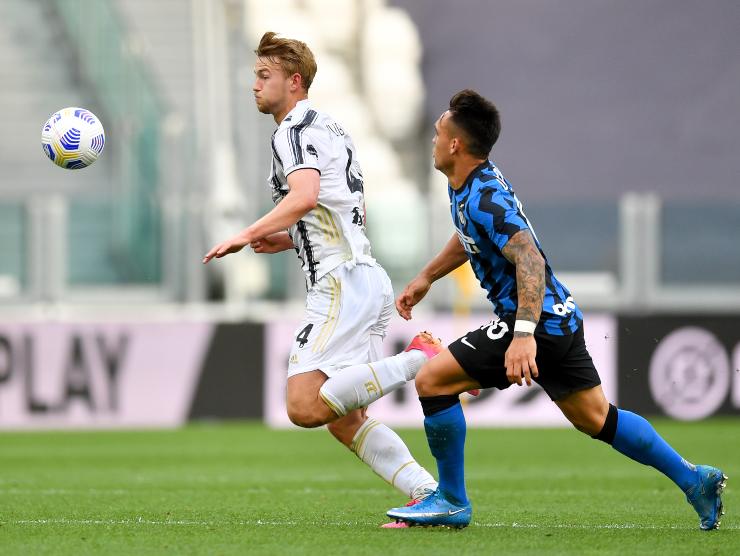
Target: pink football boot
(427, 343)
(431, 346)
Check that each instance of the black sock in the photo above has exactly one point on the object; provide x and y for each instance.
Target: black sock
(609, 430)
(434, 404)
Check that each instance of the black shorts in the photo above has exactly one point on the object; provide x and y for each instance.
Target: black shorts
(563, 362)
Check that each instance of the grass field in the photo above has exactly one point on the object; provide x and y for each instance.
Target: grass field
(244, 489)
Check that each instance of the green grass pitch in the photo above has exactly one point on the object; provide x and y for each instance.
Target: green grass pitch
(245, 489)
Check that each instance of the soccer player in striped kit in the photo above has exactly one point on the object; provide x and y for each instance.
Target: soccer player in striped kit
(335, 368)
(538, 334)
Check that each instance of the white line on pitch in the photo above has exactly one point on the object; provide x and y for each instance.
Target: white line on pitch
(284, 523)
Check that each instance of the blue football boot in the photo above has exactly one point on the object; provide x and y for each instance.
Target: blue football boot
(705, 496)
(434, 510)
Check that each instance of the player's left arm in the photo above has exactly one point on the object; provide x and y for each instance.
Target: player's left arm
(523, 253)
(274, 243)
(303, 197)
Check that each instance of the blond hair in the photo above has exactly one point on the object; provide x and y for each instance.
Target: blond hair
(293, 56)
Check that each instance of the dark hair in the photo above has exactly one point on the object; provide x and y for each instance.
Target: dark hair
(478, 119)
(293, 56)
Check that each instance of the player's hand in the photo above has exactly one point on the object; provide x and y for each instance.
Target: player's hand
(274, 243)
(411, 295)
(519, 360)
(232, 245)
(264, 245)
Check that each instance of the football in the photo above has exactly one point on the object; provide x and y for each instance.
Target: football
(73, 138)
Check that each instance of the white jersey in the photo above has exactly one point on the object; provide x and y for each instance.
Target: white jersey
(334, 231)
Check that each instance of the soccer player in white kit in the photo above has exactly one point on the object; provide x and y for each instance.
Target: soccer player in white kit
(335, 368)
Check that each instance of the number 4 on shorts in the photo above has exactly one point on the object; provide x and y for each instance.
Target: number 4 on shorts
(302, 337)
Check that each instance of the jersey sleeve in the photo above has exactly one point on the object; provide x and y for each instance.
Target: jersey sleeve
(300, 147)
(499, 213)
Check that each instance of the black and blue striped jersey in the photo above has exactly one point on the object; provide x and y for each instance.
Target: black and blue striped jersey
(486, 213)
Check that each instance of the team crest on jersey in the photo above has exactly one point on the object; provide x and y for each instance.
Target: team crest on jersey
(461, 213)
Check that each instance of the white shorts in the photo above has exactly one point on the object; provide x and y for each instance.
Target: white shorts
(347, 314)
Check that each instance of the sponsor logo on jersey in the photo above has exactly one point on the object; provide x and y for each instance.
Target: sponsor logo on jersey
(468, 242)
(565, 308)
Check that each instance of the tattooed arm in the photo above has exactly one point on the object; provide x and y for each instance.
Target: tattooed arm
(522, 252)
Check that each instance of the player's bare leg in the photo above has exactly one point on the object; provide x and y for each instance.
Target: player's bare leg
(345, 428)
(586, 409)
(373, 442)
(305, 407)
(635, 437)
(315, 399)
(443, 376)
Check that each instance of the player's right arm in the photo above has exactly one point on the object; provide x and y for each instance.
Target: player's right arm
(302, 168)
(522, 252)
(451, 257)
(302, 198)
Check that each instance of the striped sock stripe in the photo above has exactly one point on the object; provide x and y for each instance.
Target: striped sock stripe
(331, 404)
(393, 480)
(359, 443)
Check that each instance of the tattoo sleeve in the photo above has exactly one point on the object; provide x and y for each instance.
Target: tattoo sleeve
(522, 252)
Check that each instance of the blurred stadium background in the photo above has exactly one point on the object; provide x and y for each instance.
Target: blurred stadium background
(621, 133)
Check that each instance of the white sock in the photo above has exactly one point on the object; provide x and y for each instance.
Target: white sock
(358, 386)
(387, 455)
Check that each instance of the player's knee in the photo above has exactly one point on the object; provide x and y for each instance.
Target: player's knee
(303, 417)
(304, 420)
(426, 384)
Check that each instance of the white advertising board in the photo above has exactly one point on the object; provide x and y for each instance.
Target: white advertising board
(94, 375)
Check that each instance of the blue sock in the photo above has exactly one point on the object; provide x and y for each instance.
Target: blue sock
(446, 436)
(637, 439)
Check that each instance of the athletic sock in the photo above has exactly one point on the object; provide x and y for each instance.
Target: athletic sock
(636, 438)
(446, 430)
(387, 455)
(358, 386)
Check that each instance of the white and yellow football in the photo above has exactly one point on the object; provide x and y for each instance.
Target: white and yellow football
(73, 138)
